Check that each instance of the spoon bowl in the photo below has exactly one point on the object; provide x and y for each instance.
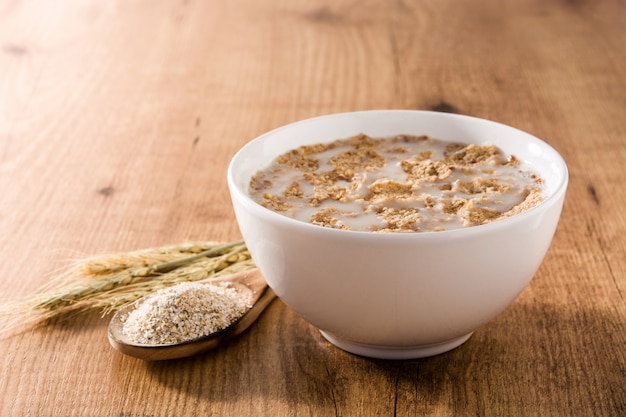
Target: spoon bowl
(262, 296)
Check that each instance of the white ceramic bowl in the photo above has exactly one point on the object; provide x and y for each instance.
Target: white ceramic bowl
(403, 295)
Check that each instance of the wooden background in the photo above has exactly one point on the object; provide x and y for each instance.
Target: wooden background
(117, 122)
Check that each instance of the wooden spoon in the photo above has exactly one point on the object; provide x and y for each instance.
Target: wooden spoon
(261, 298)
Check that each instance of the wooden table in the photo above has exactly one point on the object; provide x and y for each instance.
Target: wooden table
(118, 120)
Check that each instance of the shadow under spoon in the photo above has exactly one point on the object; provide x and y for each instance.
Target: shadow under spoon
(262, 296)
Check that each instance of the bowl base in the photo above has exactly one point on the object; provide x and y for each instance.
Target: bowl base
(398, 353)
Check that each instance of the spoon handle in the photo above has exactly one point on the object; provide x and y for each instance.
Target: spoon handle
(251, 278)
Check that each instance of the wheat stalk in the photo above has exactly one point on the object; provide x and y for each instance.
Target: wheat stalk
(110, 263)
(107, 282)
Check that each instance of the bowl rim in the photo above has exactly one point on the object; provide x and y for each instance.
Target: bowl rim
(243, 197)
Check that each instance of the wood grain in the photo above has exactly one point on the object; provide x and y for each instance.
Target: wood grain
(117, 122)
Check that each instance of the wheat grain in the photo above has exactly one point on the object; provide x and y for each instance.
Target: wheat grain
(107, 282)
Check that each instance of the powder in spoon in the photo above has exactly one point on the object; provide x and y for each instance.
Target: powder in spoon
(185, 312)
